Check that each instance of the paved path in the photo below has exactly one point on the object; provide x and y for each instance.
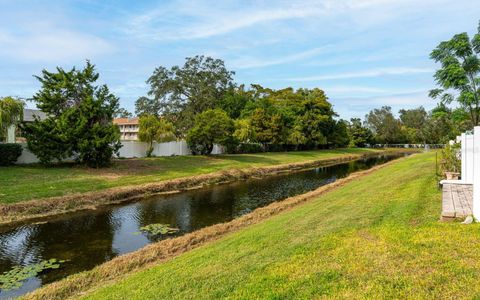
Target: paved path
(457, 200)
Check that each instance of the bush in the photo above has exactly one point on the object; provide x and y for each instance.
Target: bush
(9, 153)
(212, 126)
(451, 161)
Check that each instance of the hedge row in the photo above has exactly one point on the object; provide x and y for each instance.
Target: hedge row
(9, 153)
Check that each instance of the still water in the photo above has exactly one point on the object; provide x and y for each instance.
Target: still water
(86, 239)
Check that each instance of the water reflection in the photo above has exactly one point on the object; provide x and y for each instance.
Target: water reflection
(90, 238)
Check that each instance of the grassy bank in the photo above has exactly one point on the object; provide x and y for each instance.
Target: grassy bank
(20, 183)
(376, 237)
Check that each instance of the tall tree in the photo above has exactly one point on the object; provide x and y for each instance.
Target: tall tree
(360, 135)
(458, 76)
(180, 93)
(386, 128)
(235, 100)
(413, 121)
(339, 136)
(11, 113)
(79, 118)
(413, 118)
(152, 129)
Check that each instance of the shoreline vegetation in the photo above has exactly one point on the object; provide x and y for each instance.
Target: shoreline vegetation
(163, 251)
(39, 210)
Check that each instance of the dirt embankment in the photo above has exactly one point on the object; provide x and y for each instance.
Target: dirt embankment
(36, 210)
(116, 269)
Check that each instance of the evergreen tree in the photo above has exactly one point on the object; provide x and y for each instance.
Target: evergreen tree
(79, 118)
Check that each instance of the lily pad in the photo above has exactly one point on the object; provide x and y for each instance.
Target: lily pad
(15, 278)
(158, 229)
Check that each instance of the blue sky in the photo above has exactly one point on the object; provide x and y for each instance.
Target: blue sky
(364, 54)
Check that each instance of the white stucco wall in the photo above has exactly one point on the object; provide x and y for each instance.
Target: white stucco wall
(131, 149)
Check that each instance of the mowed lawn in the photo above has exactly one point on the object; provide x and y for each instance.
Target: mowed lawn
(377, 237)
(19, 183)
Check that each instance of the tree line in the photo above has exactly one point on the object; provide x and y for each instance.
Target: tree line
(205, 106)
(200, 102)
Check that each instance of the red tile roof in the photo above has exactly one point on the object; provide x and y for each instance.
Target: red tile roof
(125, 121)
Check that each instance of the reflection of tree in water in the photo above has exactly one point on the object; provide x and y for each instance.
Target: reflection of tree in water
(85, 241)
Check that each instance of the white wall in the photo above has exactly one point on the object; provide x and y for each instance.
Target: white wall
(138, 149)
(132, 149)
(27, 157)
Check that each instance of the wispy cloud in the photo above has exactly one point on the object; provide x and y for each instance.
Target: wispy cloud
(206, 20)
(365, 73)
(249, 63)
(349, 89)
(47, 43)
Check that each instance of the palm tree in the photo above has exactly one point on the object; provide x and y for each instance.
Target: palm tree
(11, 112)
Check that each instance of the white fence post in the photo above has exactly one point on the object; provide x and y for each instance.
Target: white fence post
(476, 172)
(463, 144)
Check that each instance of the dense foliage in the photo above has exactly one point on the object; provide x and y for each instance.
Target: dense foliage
(360, 135)
(450, 159)
(11, 113)
(459, 75)
(180, 93)
(153, 129)
(416, 126)
(212, 126)
(9, 153)
(274, 119)
(79, 118)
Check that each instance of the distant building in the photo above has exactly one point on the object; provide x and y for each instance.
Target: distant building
(128, 128)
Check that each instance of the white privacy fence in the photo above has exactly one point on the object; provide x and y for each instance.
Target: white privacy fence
(470, 170)
(138, 149)
(131, 149)
(467, 156)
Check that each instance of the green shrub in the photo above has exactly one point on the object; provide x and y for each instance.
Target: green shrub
(250, 148)
(212, 126)
(451, 161)
(9, 153)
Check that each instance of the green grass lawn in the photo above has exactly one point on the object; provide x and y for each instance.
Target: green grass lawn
(19, 183)
(376, 237)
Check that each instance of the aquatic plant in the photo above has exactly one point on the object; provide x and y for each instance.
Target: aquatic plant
(14, 278)
(157, 229)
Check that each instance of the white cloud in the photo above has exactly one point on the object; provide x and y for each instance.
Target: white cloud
(347, 89)
(366, 73)
(249, 63)
(202, 19)
(404, 100)
(51, 44)
(130, 89)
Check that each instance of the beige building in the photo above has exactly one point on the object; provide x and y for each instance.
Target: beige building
(128, 128)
